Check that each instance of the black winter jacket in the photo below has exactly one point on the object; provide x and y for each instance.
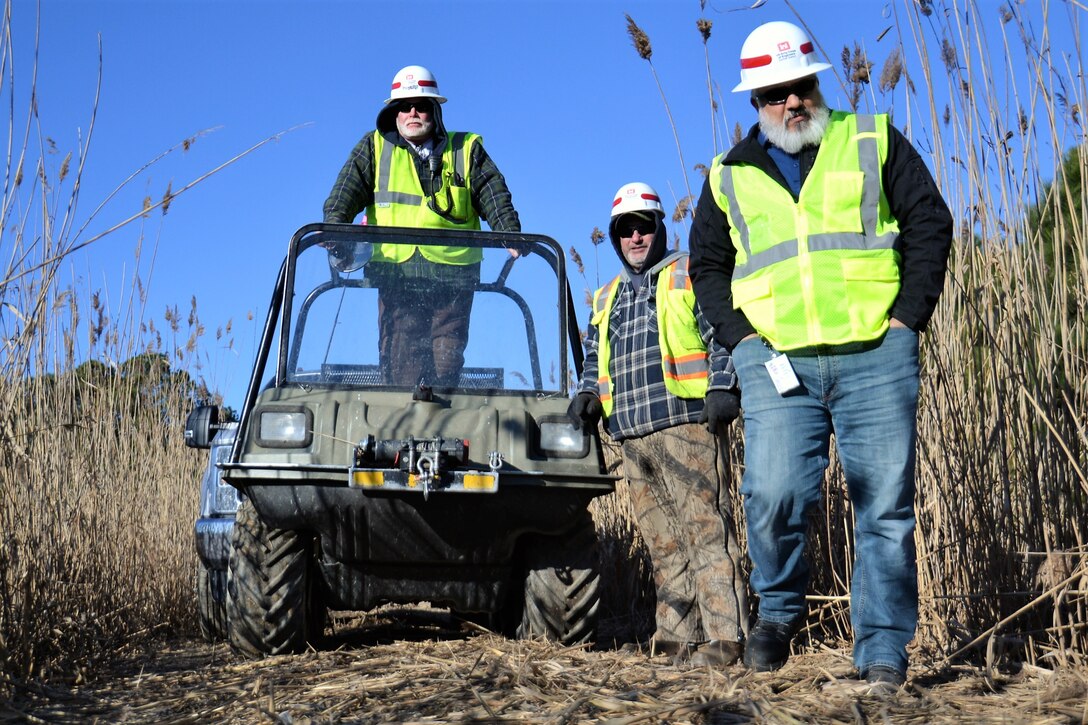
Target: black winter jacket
(925, 236)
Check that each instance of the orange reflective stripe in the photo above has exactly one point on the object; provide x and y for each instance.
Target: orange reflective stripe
(604, 387)
(686, 367)
(679, 278)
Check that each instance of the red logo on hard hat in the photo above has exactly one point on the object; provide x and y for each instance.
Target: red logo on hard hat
(784, 46)
(408, 76)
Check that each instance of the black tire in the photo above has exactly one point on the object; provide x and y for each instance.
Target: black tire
(211, 596)
(562, 586)
(272, 606)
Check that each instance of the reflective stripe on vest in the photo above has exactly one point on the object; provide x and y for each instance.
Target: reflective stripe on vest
(683, 352)
(399, 200)
(823, 269)
(602, 307)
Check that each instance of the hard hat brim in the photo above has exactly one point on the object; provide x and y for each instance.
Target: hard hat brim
(809, 70)
(439, 99)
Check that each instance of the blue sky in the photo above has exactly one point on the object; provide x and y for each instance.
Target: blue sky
(565, 105)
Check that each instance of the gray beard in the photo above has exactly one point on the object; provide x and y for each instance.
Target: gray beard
(417, 137)
(793, 141)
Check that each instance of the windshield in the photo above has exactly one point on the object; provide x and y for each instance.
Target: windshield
(399, 308)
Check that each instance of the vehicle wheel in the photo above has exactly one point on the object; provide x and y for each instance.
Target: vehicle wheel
(211, 595)
(272, 606)
(562, 586)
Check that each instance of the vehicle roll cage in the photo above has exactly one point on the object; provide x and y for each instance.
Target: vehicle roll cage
(280, 305)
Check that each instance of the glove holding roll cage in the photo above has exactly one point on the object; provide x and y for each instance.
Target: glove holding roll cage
(585, 409)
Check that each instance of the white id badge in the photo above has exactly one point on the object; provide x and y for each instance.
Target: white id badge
(782, 375)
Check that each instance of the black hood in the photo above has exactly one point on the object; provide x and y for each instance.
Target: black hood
(387, 124)
(657, 249)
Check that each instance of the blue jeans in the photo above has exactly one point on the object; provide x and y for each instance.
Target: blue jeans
(867, 395)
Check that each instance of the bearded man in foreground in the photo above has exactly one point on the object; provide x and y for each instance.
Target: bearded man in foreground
(818, 252)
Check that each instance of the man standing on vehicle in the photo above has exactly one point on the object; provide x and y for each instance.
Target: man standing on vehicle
(818, 252)
(412, 172)
(646, 371)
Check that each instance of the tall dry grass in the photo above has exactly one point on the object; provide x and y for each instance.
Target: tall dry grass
(1002, 496)
(1003, 514)
(97, 497)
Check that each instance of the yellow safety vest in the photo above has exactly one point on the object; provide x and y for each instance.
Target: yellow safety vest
(822, 270)
(399, 200)
(683, 352)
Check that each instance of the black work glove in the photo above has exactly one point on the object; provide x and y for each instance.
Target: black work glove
(719, 410)
(585, 409)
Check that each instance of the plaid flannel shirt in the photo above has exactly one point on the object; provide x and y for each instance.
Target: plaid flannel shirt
(641, 404)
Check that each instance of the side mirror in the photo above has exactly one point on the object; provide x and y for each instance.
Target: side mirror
(201, 426)
(349, 257)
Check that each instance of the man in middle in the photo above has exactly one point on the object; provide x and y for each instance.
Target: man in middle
(647, 373)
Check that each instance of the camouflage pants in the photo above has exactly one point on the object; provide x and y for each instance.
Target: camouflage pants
(423, 334)
(679, 495)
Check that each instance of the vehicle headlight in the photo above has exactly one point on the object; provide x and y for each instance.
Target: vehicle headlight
(559, 437)
(285, 427)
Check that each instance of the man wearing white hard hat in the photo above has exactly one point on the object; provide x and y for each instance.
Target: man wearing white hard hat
(818, 252)
(647, 373)
(412, 172)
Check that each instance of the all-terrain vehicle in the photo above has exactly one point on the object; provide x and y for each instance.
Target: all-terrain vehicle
(356, 487)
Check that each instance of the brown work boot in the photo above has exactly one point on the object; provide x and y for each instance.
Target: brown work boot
(677, 651)
(716, 653)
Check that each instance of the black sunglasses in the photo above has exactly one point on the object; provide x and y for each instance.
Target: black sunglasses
(421, 105)
(644, 228)
(780, 94)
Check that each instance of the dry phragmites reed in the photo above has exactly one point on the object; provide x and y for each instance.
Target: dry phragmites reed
(577, 259)
(856, 65)
(682, 209)
(596, 236)
(704, 27)
(640, 40)
(892, 71)
(948, 55)
(167, 197)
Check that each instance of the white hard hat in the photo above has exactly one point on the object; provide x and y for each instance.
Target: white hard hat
(636, 197)
(776, 52)
(414, 81)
